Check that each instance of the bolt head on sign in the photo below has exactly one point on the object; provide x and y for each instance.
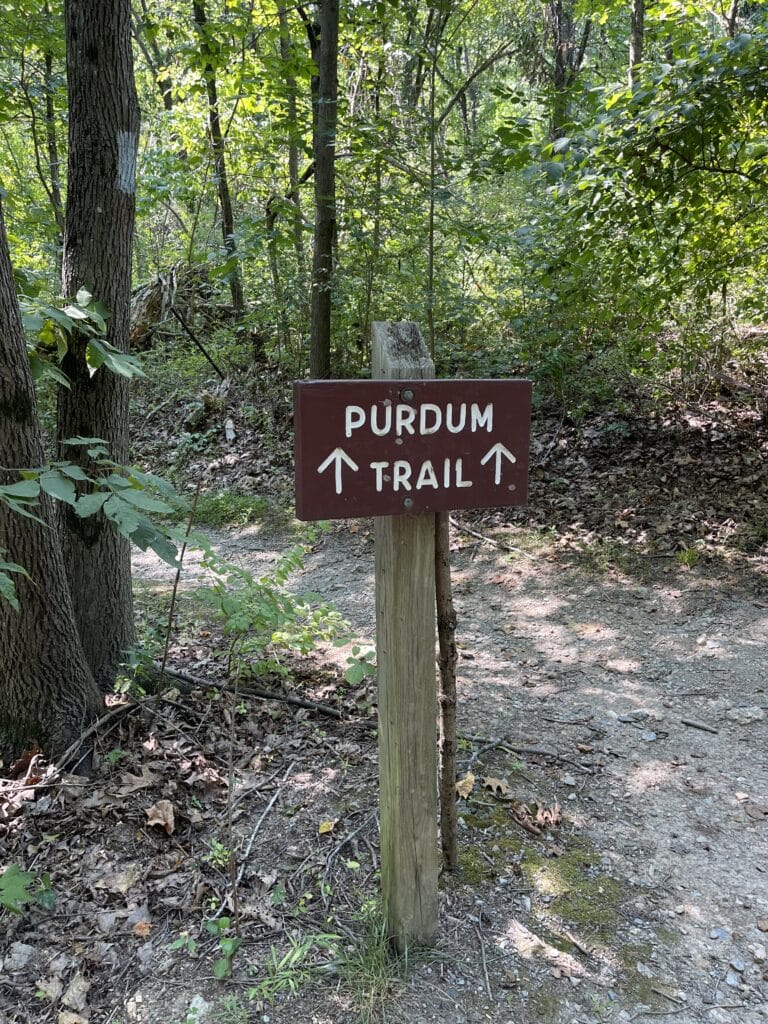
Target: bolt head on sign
(391, 447)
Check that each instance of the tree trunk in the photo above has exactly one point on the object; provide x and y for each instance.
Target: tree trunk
(219, 160)
(731, 18)
(636, 37)
(103, 140)
(52, 146)
(568, 58)
(447, 660)
(325, 189)
(47, 692)
(286, 56)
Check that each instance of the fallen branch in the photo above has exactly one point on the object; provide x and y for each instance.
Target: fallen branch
(189, 683)
(489, 540)
(693, 724)
(512, 749)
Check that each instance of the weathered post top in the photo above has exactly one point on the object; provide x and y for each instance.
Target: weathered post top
(398, 352)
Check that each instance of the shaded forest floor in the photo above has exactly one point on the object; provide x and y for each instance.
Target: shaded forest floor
(613, 846)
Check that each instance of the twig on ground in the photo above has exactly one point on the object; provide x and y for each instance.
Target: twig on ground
(490, 540)
(579, 945)
(337, 850)
(120, 709)
(693, 724)
(247, 852)
(502, 744)
(197, 682)
(485, 965)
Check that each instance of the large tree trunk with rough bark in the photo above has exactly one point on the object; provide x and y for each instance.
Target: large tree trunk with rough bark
(47, 692)
(103, 141)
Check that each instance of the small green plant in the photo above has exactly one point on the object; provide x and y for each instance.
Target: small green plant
(218, 855)
(688, 557)
(369, 971)
(228, 945)
(15, 890)
(287, 972)
(362, 665)
(261, 616)
(225, 508)
(185, 942)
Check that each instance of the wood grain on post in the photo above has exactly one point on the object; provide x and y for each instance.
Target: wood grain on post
(405, 641)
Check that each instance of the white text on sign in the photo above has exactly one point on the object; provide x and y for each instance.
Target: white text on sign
(386, 418)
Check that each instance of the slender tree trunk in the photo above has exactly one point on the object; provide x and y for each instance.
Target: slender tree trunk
(567, 60)
(731, 18)
(54, 168)
(286, 55)
(636, 37)
(219, 160)
(448, 657)
(47, 692)
(274, 268)
(325, 189)
(103, 141)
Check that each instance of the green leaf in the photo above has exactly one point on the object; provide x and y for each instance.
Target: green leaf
(26, 489)
(14, 886)
(58, 486)
(8, 590)
(100, 353)
(144, 501)
(72, 471)
(90, 504)
(222, 968)
(122, 515)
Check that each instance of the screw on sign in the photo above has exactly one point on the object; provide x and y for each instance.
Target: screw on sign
(387, 447)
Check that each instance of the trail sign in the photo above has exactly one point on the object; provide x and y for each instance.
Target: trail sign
(388, 447)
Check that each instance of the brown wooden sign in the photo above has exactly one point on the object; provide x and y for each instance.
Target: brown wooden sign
(389, 447)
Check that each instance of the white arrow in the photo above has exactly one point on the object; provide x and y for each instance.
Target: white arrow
(499, 451)
(338, 455)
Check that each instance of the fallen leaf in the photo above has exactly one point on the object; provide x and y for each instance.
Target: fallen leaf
(522, 816)
(142, 929)
(76, 996)
(51, 987)
(161, 814)
(464, 786)
(497, 786)
(120, 880)
(133, 782)
(548, 817)
(327, 826)
(68, 1017)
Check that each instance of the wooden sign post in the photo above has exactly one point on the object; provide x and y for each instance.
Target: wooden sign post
(405, 655)
(401, 447)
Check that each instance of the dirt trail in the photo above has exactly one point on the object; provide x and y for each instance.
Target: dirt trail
(648, 690)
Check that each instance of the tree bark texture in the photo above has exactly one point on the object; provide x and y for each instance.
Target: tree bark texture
(286, 56)
(568, 58)
(325, 102)
(447, 659)
(47, 692)
(636, 37)
(219, 159)
(103, 141)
